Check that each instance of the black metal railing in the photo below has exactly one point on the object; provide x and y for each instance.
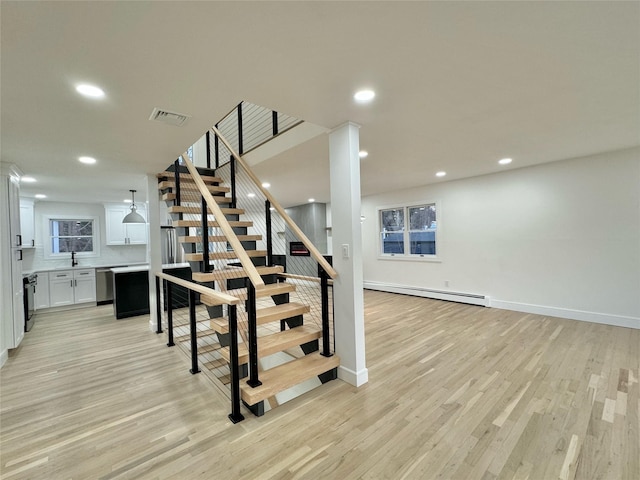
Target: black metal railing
(246, 127)
(192, 322)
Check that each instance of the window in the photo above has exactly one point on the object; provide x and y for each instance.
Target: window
(422, 229)
(409, 231)
(72, 235)
(392, 231)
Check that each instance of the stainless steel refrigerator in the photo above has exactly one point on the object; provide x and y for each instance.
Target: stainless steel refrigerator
(172, 251)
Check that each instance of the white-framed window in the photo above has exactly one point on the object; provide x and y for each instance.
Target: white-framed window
(67, 234)
(409, 231)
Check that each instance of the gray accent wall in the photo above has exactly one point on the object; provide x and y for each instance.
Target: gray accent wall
(311, 218)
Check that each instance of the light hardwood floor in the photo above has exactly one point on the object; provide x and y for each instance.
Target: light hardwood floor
(454, 392)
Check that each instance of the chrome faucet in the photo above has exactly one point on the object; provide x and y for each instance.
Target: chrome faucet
(74, 262)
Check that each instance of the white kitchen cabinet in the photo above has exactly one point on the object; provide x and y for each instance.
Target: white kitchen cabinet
(41, 297)
(27, 223)
(12, 324)
(69, 287)
(61, 288)
(118, 233)
(84, 285)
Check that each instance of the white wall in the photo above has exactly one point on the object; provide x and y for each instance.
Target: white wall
(200, 153)
(109, 255)
(559, 239)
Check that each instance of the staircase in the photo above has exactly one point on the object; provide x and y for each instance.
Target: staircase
(287, 332)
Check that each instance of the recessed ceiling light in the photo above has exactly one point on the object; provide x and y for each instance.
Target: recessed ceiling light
(272, 209)
(251, 195)
(27, 179)
(441, 174)
(363, 154)
(311, 200)
(127, 200)
(87, 160)
(505, 161)
(364, 96)
(266, 184)
(40, 195)
(90, 90)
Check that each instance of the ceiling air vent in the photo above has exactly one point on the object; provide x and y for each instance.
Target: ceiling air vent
(170, 118)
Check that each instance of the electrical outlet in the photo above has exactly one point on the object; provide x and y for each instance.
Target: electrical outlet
(345, 250)
(446, 283)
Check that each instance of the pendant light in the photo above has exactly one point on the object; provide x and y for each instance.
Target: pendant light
(133, 216)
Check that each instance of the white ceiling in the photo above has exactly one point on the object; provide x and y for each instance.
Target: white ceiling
(459, 86)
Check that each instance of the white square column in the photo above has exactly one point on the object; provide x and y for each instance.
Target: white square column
(344, 146)
(154, 249)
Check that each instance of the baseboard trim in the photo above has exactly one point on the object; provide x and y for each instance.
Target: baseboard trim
(571, 314)
(460, 297)
(354, 378)
(486, 301)
(4, 356)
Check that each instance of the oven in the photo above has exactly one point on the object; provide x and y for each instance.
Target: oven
(29, 284)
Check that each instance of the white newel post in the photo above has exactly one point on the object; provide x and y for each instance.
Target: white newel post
(348, 299)
(154, 255)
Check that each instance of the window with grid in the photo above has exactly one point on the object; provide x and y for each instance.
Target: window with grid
(71, 235)
(409, 231)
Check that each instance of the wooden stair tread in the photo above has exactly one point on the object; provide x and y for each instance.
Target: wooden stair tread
(268, 290)
(287, 375)
(233, 272)
(198, 210)
(280, 312)
(187, 177)
(198, 257)
(218, 198)
(277, 342)
(211, 223)
(265, 315)
(241, 293)
(218, 238)
(191, 187)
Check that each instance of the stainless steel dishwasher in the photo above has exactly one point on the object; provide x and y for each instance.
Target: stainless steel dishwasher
(104, 286)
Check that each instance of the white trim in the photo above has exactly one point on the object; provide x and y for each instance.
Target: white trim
(461, 297)
(410, 258)
(486, 301)
(4, 356)
(571, 314)
(354, 378)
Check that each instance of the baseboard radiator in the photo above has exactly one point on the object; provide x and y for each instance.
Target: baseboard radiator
(460, 297)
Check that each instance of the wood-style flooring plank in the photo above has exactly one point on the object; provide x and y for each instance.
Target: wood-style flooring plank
(455, 392)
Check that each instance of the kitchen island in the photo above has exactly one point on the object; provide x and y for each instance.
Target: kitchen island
(131, 289)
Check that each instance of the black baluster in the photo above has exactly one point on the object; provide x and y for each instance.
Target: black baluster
(205, 267)
(253, 381)
(235, 416)
(194, 332)
(267, 212)
(324, 287)
(169, 300)
(274, 123)
(158, 308)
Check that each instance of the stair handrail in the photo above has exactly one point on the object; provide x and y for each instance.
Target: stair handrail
(223, 223)
(274, 203)
(221, 297)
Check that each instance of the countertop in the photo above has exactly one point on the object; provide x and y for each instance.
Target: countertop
(145, 267)
(80, 267)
